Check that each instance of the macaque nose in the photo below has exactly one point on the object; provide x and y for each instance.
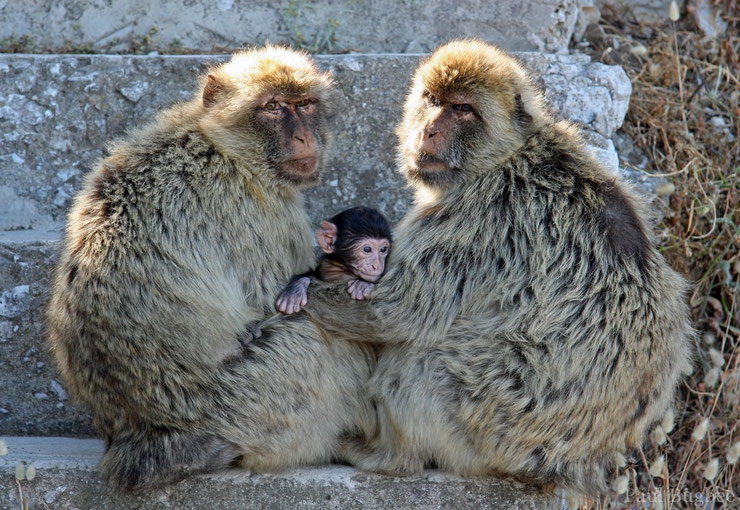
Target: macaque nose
(299, 131)
(376, 265)
(431, 143)
(302, 143)
(302, 135)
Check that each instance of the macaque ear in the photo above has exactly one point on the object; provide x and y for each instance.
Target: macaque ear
(212, 90)
(326, 236)
(522, 117)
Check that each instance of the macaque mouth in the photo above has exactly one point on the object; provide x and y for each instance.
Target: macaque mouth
(301, 165)
(431, 163)
(369, 278)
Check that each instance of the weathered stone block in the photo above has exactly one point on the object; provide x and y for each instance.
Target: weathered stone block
(373, 26)
(58, 112)
(32, 401)
(65, 478)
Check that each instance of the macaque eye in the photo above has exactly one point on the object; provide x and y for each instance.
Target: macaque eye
(367, 249)
(271, 105)
(466, 108)
(384, 249)
(303, 103)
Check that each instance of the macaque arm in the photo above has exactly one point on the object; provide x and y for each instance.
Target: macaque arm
(331, 307)
(417, 300)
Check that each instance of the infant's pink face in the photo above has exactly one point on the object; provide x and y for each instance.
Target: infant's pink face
(369, 258)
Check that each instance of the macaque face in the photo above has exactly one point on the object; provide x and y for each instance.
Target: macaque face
(437, 146)
(291, 124)
(369, 256)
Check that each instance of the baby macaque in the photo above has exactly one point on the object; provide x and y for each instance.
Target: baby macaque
(355, 244)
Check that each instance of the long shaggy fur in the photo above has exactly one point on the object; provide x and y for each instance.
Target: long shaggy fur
(530, 327)
(178, 240)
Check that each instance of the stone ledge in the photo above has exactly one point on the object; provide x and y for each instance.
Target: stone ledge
(66, 478)
(29, 236)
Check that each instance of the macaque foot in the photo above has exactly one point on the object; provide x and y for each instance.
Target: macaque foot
(360, 289)
(294, 297)
(370, 458)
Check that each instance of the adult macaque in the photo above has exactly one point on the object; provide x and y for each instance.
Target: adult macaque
(180, 240)
(530, 327)
(355, 244)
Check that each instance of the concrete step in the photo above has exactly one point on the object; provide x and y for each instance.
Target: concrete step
(66, 478)
(374, 26)
(57, 112)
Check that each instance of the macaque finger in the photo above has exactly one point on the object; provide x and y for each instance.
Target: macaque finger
(355, 289)
(298, 303)
(285, 305)
(367, 290)
(351, 286)
(281, 305)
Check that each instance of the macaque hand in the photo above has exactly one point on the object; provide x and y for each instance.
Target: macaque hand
(360, 289)
(294, 297)
(249, 333)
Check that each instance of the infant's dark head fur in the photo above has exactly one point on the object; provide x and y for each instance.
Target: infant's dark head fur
(357, 223)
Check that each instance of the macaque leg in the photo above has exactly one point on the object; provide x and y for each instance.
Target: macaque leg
(383, 453)
(295, 296)
(360, 289)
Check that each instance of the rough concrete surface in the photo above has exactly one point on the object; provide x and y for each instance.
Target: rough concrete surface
(33, 400)
(57, 113)
(373, 26)
(65, 478)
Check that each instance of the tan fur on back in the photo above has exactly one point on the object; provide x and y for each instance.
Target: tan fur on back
(178, 241)
(530, 326)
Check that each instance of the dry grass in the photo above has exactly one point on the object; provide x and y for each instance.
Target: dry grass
(684, 115)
